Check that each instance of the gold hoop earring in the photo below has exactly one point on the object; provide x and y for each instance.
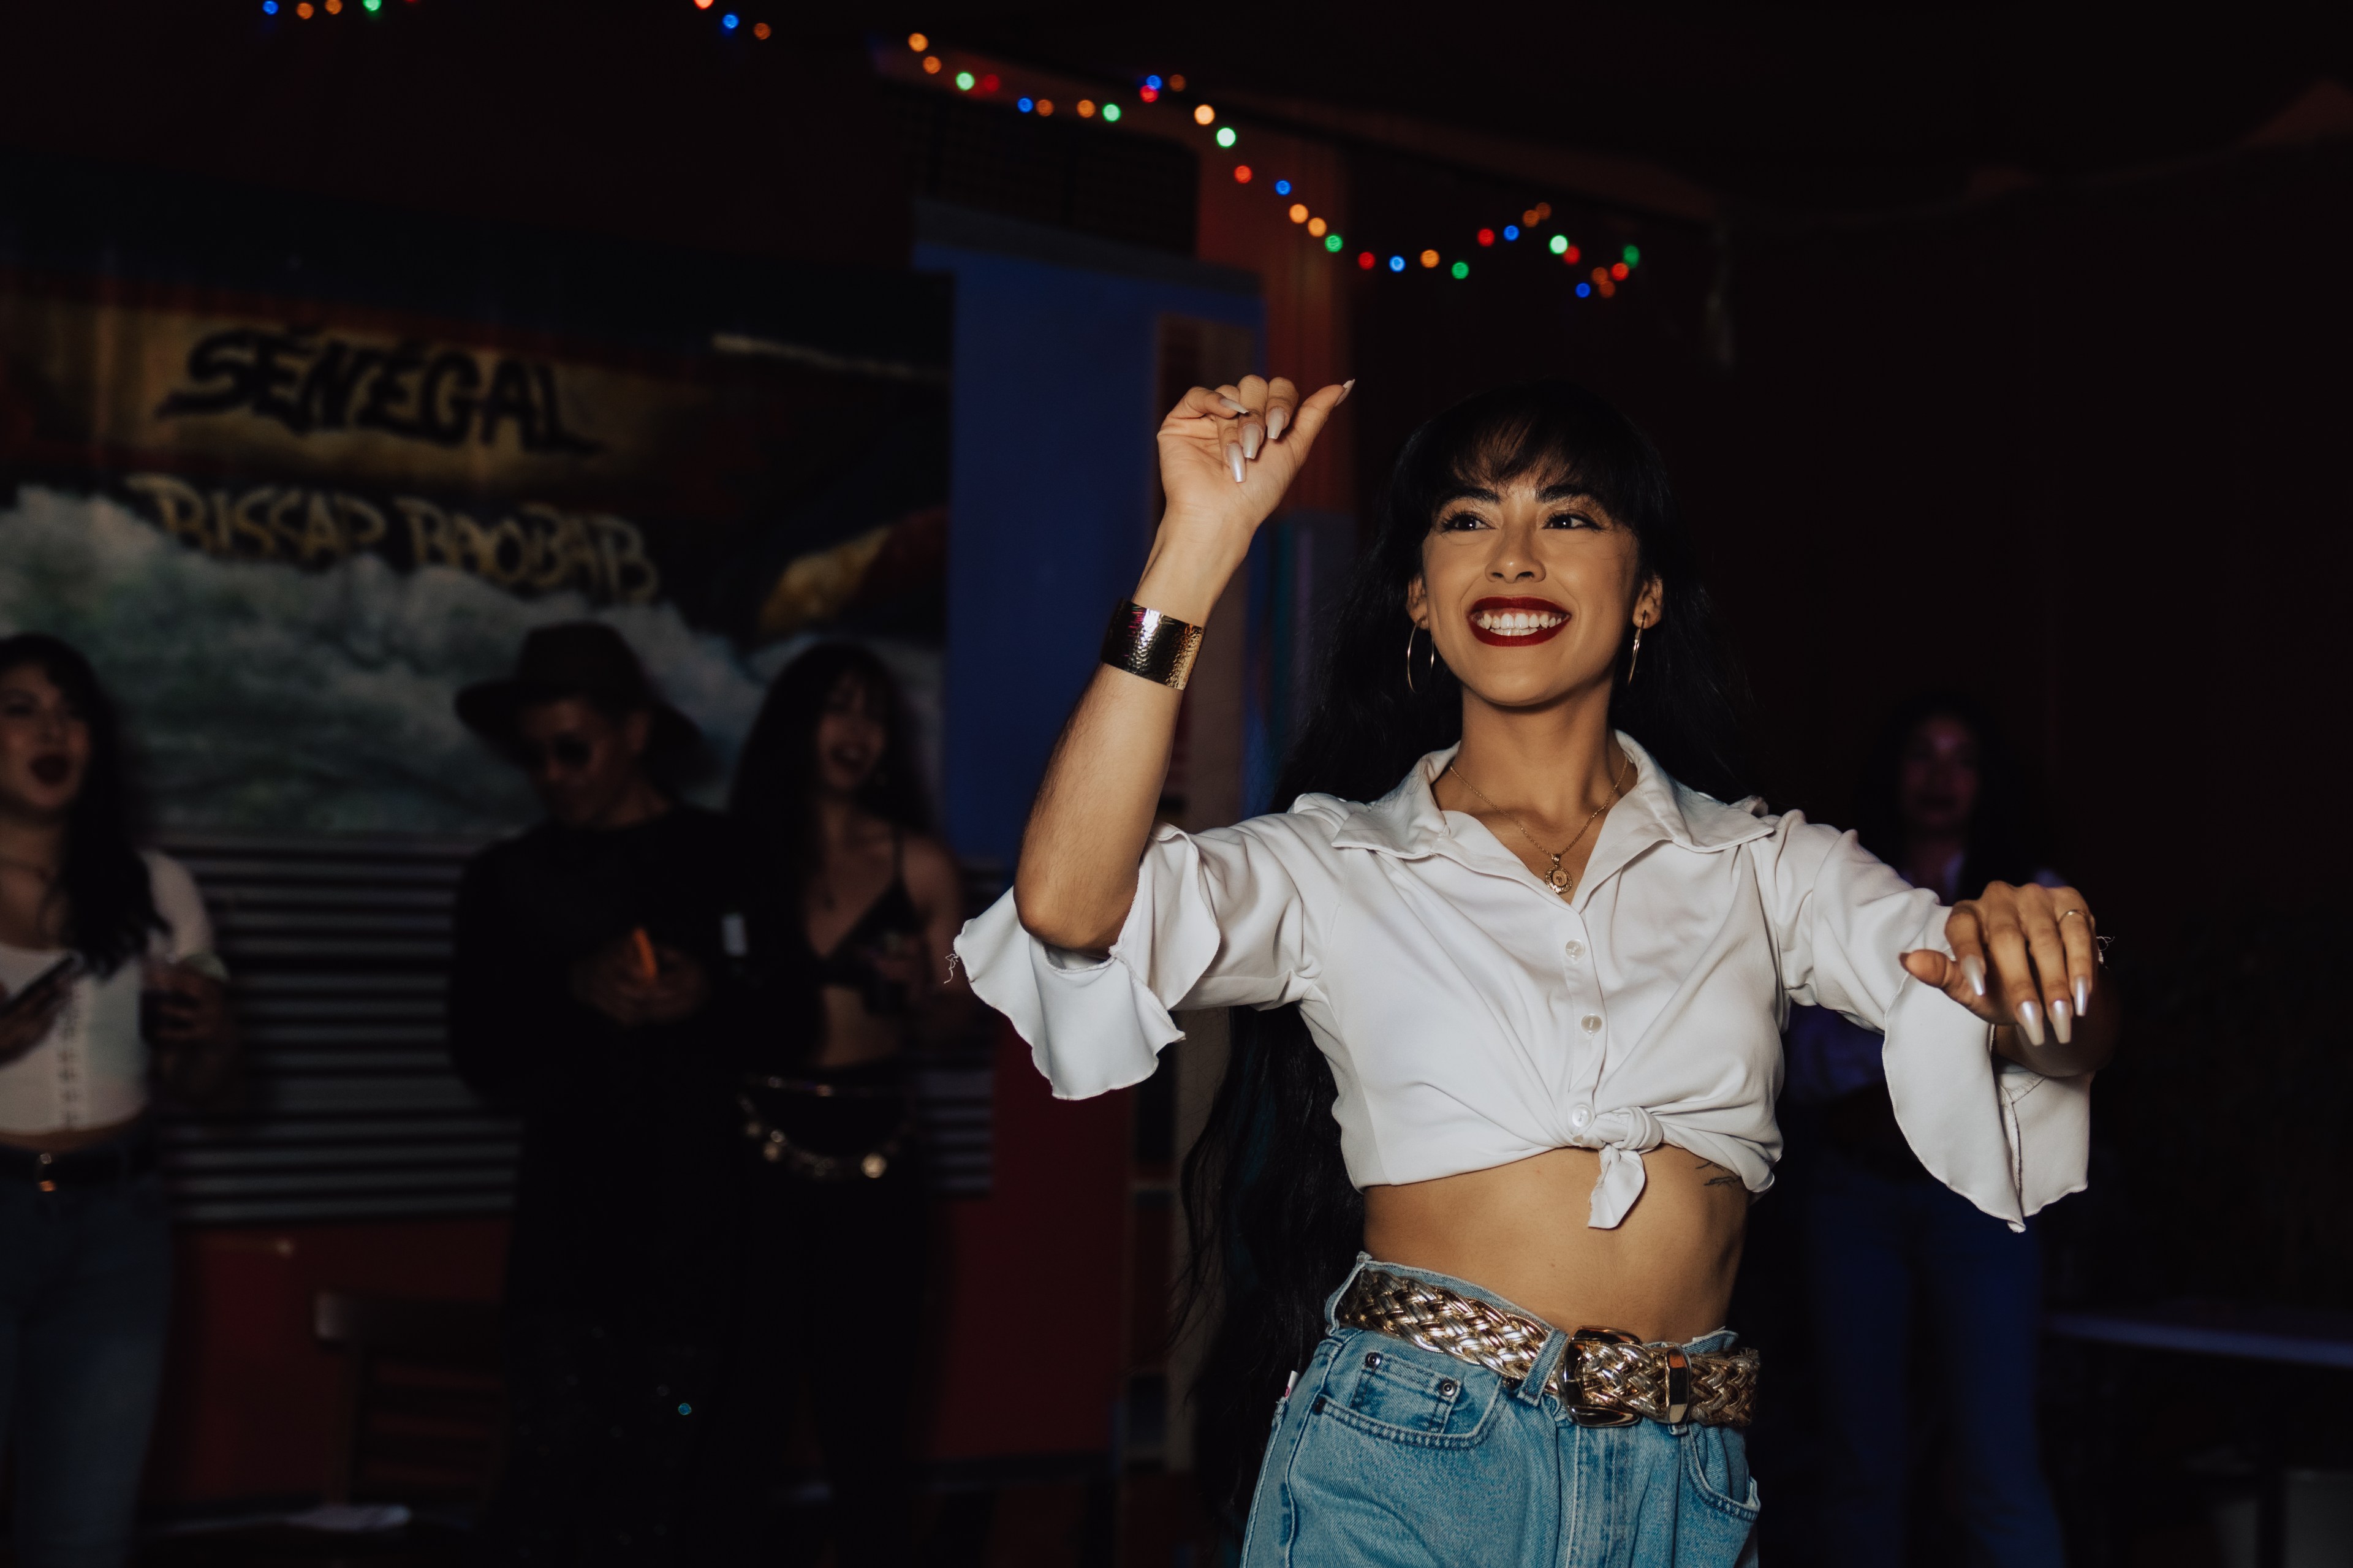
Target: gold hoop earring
(1432, 668)
(1634, 663)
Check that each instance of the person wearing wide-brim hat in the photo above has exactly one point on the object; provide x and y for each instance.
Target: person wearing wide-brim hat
(587, 662)
(615, 969)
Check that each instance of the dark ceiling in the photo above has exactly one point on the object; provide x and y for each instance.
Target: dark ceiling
(1837, 107)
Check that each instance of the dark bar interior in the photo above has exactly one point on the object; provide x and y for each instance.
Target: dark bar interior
(644, 983)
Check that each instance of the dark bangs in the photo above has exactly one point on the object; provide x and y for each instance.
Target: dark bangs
(1554, 435)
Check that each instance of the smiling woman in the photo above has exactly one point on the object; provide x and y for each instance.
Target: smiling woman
(1465, 1036)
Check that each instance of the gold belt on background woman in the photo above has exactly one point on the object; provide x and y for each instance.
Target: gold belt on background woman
(779, 1149)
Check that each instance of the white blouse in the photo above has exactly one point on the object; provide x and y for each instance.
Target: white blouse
(1473, 1017)
(90, 1068)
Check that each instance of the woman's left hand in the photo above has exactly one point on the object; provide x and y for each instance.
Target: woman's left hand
(198, 1057)
(2027, 960)
(197, 1011)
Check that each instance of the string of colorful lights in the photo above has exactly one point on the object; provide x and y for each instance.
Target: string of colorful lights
(304, 9)
(1601, 279)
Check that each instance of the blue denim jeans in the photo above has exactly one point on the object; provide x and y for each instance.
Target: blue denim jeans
(1875, 1247)
(84, 1289)
(1384, 1455)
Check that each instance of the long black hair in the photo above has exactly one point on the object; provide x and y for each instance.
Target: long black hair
(109, 908)
(1274, 1220)
(777, 772)
(2006, 841)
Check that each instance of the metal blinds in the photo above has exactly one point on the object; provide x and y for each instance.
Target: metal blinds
(340, 947)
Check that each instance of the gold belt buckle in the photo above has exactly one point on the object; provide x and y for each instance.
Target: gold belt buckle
(1573, 1368)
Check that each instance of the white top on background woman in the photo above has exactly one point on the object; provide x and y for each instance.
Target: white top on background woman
(88, 924)
(1542, 975)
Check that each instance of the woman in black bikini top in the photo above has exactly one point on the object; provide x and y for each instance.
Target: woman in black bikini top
(829, 777)
(837, 1194)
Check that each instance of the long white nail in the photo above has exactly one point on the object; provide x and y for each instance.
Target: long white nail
(1275, 423)
(1251, 437)
(2029, 1018)
(1231, 403)
(1973, 971)
(1347, 387)
(2063, 1021)
(2083, 994)
(1234, 458)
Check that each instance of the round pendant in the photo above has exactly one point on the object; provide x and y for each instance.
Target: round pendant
(1558, 877)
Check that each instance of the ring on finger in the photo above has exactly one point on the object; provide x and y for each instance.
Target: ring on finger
(2077, 913)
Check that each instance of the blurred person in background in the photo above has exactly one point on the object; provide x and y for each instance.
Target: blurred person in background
(112, 994)
(1888, 1245)
(615, 968)
(828, 781)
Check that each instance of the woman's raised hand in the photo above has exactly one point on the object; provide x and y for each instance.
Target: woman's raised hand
(2028, 959)
(1226, 456)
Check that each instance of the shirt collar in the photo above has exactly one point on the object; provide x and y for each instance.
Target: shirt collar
(1409, 823)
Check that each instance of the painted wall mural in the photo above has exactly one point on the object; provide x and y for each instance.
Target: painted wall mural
(290, 472)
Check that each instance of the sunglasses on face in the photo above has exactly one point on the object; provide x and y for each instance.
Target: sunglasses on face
(569, 752)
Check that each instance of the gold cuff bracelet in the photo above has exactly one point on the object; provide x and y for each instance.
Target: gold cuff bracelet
(1146, 643)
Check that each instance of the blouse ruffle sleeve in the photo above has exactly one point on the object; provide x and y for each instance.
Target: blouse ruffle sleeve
(1217, 921)
(2006, 1138)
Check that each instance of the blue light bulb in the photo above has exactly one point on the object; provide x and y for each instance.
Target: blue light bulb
(1153, 82)
(1397, 263)
(1511, 231)
(1583, 289)
(1282, 187)
(1025, 105)
(731, 21)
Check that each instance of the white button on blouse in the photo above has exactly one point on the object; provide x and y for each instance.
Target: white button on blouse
(90, 1068)
(1422, 955)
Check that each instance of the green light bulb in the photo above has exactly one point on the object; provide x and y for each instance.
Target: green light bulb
(1632, 256)
(1110, 112)
(1226, 137)
(963, 81)
(1560, 243)
(1461, 270)
(1332, 242)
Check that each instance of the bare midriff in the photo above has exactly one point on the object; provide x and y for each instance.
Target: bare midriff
(854, 1037)
(1519, 1230)
(65, 1140)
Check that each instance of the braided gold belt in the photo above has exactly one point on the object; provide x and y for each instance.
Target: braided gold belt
(1606, 1377)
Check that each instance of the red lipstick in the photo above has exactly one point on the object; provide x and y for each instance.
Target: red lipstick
(1536, 632)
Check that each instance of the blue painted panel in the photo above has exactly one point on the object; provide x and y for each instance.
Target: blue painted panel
(1049, 501)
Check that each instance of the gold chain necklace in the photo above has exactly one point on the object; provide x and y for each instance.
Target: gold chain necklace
(1557, 879)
